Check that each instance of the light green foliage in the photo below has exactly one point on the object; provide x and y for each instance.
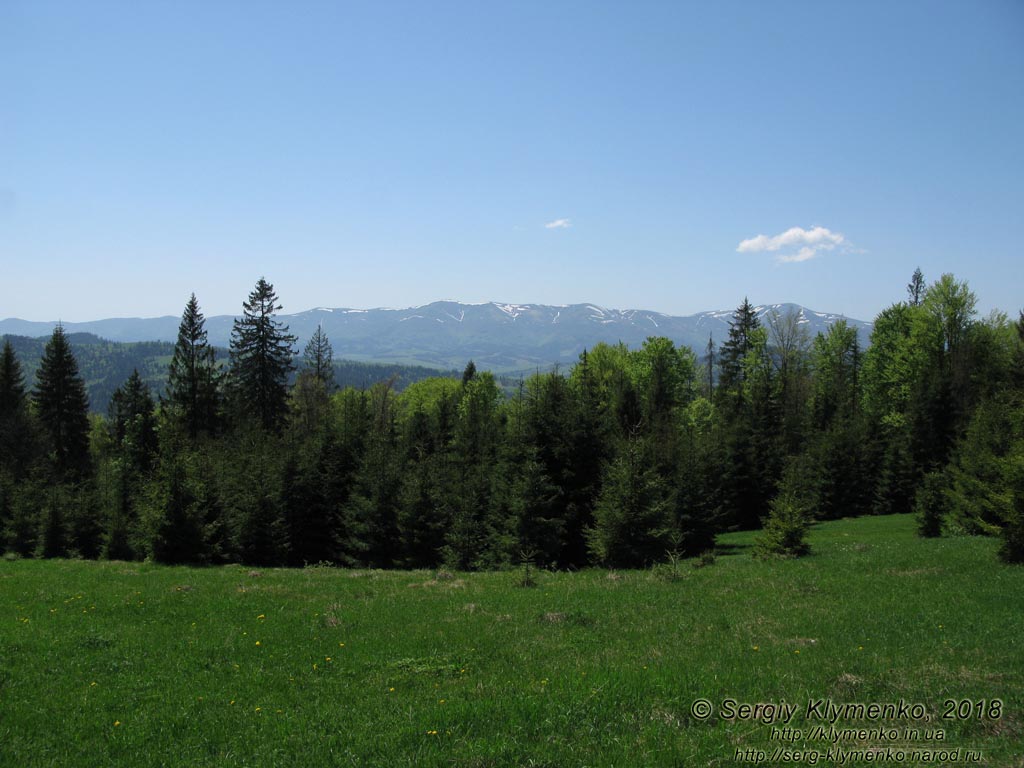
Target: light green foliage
(980, 496)
(890, 366)
(836, 362)
(785, 530)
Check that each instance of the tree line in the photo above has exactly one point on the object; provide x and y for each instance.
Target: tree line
(628, 457)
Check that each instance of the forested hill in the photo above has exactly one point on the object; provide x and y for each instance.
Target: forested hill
(105, 365)
(445, 334)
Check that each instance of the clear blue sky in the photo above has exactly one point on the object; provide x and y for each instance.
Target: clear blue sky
(391, 154)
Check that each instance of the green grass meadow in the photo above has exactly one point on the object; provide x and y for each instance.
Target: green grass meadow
(113, 663)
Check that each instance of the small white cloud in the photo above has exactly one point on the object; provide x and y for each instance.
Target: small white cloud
(795, 244)
(558, 224)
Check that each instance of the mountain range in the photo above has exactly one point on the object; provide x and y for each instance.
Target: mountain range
(446, 334)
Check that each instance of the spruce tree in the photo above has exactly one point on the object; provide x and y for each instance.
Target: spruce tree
(734, 351)
(12, 382)
(632, 523)
(261, 358)
(62, 406)
(15, 425)
(192, 377)
(132, 423)
(319, 357)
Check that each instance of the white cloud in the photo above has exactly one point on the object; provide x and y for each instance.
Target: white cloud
(558, 224)
(795, 244)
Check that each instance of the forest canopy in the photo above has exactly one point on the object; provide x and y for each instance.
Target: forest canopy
(629, 457)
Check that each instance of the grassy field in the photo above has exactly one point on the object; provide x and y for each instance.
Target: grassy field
(116, 663)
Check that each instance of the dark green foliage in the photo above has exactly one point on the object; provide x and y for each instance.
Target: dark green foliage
(697, 497)
(12, 383)
(1012, 549)
(174, 518)
(476, 436)
(24, 500)
(17, 435)
(732, 357)
(979, 499)
(53, 533)
(424, 514)
(310, 406)
(103, 364)
(68, 521)
(373, 505)
(249, 476)
(539, 515)
(916, 288)
(930, 505)
(261, 360)
(319, 358)
(62, 408)
(122, 516)
(193, 377)
(133, 423)
(632, 526)
(620, 462)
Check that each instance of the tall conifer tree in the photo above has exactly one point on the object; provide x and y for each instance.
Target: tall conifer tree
(319, 357)
(261, 358)
(192, 378)
(734, 351)
(15, 431)
(132, 423)
(62, 406)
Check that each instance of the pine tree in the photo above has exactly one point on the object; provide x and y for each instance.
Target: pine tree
(62, 406)
(192, 377)
(261, 358)
(319, 358)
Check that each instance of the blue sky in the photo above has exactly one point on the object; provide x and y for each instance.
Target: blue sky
(392, 154)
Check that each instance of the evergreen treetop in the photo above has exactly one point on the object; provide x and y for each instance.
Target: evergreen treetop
(319, 357)
(734, 351)
(62, 406)
(261, 358)
(192, 377)
(12, 382)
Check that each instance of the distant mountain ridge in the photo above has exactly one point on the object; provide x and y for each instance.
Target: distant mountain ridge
(498, 336)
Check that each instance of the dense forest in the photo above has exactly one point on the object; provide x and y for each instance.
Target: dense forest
(105, 365)
(630, 457)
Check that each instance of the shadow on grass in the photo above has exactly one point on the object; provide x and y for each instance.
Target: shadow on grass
(732, 549)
